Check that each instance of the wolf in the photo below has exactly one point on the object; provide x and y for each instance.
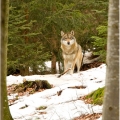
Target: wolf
(71, 52)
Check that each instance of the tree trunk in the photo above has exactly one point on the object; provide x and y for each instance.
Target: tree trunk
(59, 67)
(53, 64)
(111, 97)
(24, 70)
(26, 31)
(35, 70)
(5, 113)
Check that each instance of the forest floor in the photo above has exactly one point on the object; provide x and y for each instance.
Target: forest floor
(62, 100)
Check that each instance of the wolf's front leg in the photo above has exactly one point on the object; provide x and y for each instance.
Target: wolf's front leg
(71, 72)
(65, 65)
(72, 69)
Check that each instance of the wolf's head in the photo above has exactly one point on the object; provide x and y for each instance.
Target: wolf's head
(68, 38)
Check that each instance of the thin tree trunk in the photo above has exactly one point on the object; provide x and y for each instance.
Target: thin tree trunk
(5, 113)
(53, 64)
(59, 66)
(111, 98)
(26, 31)
(24, 70)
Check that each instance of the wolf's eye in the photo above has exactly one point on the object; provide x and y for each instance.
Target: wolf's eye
(71, 38)
(64, 38)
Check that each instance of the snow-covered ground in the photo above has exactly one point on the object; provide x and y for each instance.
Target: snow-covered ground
(58, 107)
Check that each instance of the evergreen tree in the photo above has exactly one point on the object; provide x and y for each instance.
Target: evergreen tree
(54, 16)
(100, 42)
(23, 53)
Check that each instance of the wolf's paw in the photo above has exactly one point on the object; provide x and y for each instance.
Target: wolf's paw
(71, 72)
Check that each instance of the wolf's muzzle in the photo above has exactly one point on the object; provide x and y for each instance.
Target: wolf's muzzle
(68, 43)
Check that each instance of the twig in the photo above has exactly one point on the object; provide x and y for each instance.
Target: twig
(64, 72)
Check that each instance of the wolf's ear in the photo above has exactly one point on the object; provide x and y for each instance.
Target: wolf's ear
(72, 32)
(62, 33)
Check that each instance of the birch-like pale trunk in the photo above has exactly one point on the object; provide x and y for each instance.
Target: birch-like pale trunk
(111, 97)
(5, 113)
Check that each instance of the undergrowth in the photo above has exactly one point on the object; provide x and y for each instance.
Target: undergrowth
(96, 96)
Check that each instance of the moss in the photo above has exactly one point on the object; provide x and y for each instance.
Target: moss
(96, 96)
(35, 85)
(45, 84)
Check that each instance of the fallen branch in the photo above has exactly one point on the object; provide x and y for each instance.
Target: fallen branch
(64, 72)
